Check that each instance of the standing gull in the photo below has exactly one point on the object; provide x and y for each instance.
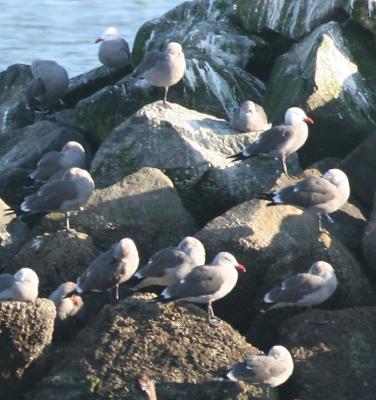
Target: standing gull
(66, 306)
(113, 49)
(268, 370)
(22, 286)
(281, 140)
(318, 194)
(49, 84)
(171, 264)
(110, 269)
(306, 289)
(54, 163)
(66, 194)
(249, 117)
(162, 69)
(206, 283)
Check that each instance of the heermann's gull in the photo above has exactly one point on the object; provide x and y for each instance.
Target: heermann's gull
(318, 194)
(66, 194)
(54, 163)
(249, 117)
(49, 84)
(206, 283)
(110, 269)
(162, 69)
(306, 289)
(268, 370)
(66, 306)
(22, 286)
(171, 264)
(113, 49)
(280, 140)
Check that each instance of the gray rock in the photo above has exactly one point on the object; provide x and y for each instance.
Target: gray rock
(56, 258)
(328, 75)
(25, 332)
(190, 148)
(333, 360)
(13, 111)
(13, 234)
(171, 342)
(143, 206)
(260, 236)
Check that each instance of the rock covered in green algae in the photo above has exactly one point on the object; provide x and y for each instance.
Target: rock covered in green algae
(25, 331)
(333, 353)
(331, 81)
(172, 343)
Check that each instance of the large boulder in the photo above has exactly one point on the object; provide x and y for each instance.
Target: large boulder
(172, 343)
(329, 75)
(25, 332)
(47, 256)
(283, 236)
(13, 234)
(191, 148)
(143, 206)
(13, 110)
(333, 353)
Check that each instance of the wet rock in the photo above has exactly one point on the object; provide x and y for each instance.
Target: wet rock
(56, 258)
(369, 242)
(326, 75)
(143, 206)
(332, 347)
(260, 236)
(190, 148)
(19, 154)
(13, 111)
(25, 332)
(13, 234)
(172, 343)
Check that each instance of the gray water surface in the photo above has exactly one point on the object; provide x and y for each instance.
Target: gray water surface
(65, 30)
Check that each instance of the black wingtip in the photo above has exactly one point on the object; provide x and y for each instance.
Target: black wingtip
(264, 196)
(236, 157)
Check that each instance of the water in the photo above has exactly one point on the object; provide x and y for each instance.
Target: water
(65, 30)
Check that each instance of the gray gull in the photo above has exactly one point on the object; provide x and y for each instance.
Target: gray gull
(249, 117)
(22, 286)
(66, 306)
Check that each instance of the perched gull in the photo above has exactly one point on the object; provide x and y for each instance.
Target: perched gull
(110, 269)
(206, 283)
(66, 306)
(22, 286)
(270, 371)
(249, 117)
(54, 163)
(113, 49)
(171, 264)
(306, 289)
(162, 69)
(66, 194)
(49, 84)
(318, 194)
(281, 140)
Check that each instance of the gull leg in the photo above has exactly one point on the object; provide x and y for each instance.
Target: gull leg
(117, 292)
(212, 319)
(284, 166)
(165, 96)
(321, 230)
(67, 221)
(329, 218)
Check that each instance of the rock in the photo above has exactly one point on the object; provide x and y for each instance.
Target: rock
(171, 343)
(328, 76)
(13, 111)
(338, 354)
(19, 154)
(25, 332)
(197, 145)
(215, 81)
(56, 258)
(260, 236)
(369, 242)
(143, 206)
(13, 234)
(360, 165)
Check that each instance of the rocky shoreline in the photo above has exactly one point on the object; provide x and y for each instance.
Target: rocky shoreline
(162, 174)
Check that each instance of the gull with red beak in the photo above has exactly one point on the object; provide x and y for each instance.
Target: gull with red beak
(206, 283)
(113, 49)
(281, 140)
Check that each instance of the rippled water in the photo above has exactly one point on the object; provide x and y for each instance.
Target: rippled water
(65, 30)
